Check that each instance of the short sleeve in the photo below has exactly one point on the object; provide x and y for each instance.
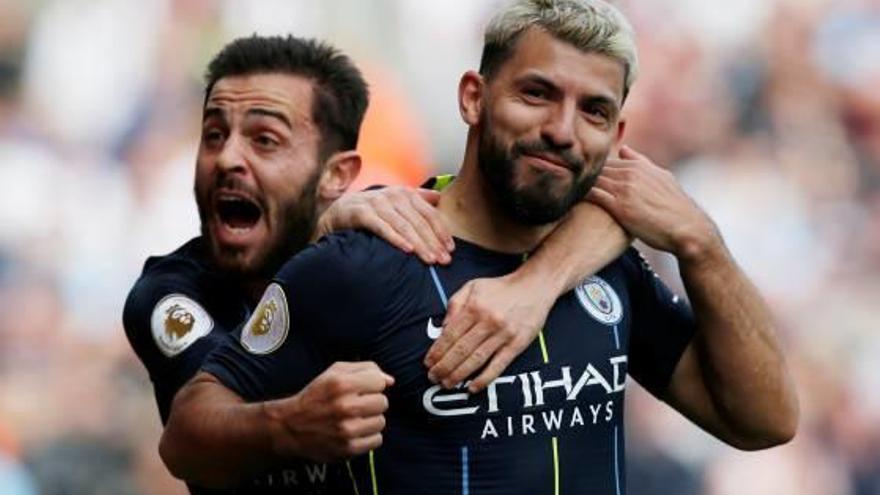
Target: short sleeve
(326, 304)
(165, 321)
(663, 326)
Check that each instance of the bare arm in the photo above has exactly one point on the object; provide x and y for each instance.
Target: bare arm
(732, 379)
(494, 320)
(214, 439)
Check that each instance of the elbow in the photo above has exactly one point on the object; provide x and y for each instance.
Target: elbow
(775, 431)
(182, 448)
(169, 451)
(177, 464)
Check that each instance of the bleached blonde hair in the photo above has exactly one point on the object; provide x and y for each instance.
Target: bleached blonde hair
(593, 26)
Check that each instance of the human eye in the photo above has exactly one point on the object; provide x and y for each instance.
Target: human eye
(266, 141)
(597, 113)
(213, 135)
(534, 92)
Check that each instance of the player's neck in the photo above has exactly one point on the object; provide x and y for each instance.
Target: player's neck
(473, 214)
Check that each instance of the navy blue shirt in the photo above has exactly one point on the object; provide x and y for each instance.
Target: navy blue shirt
(178, 311)
(555, 418)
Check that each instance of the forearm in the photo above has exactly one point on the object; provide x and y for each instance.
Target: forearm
(583, 243)
(213, 438)
(740, 358)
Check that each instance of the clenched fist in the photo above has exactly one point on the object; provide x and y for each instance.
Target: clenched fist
(340, 414)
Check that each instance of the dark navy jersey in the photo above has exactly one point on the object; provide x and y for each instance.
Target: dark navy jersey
(178, 311)
(553, 423)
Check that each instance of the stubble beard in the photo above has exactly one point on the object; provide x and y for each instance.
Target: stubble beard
(297, 223)
(534, 204)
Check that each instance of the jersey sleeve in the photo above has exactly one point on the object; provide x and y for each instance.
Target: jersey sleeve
(663, 326)
(329, 303)
(165, 319)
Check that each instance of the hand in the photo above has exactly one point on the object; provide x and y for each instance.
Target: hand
(488, 320)
(648, 202)
(340, 414)
(406, 217)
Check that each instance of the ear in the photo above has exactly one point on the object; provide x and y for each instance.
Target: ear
(470, 97)
(340, 171)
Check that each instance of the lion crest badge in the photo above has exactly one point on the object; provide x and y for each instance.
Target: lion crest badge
(177, 322)
(267, 327)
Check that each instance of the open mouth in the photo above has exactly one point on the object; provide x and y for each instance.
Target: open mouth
(237, 213)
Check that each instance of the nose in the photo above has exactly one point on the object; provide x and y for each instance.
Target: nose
(558, 129)
(232, 157)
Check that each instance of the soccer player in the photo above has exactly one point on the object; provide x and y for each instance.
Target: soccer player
(280, 125)
(544, 112)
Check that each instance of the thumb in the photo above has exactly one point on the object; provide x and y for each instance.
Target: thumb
(429, 195)
(389, 380)
(627, 153)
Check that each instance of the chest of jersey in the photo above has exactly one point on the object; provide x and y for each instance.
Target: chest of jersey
(558, 405)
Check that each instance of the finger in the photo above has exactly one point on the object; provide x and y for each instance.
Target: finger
(402, 225)
(609, 184)
(603, 198)
(429, 195)
(362, 427)
(363, 366)
(368, 381)
(381, 225)
(500, 361)
(628, 153)
(355, 366)
(426, 241)
(357, 446)
(441, 230)
(458, 353)
(475, 360)
(369, 404)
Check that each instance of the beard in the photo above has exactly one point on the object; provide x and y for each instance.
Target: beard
(294, 225)
(539, 202)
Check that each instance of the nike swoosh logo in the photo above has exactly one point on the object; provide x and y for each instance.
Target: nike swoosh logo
(433, 331)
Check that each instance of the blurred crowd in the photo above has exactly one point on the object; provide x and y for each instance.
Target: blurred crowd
(767, 110)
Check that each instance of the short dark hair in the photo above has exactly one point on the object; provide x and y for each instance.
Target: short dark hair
(340, 92)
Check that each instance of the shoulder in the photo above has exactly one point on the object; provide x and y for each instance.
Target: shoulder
(633, 264)
(347, 260)
(169, 293)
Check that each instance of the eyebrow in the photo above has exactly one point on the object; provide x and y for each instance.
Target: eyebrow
(263, 112)
(604, 100)
(538, 79)
(211, 113)
(216, 112)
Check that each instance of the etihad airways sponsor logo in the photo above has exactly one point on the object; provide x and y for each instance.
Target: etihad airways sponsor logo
(530, 386)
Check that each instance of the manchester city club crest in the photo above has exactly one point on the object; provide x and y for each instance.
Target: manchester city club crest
(267, 328)
(599, 299)
(177, 322)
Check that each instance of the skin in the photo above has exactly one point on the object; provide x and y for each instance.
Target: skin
(341, 412)
(259, 143)
(732, 379)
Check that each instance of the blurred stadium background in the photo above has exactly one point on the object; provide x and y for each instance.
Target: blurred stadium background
(767, 110)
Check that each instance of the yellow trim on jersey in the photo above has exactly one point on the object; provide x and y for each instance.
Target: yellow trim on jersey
(543, 345)
(441, 181)
(373, 474)
(555, 466)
